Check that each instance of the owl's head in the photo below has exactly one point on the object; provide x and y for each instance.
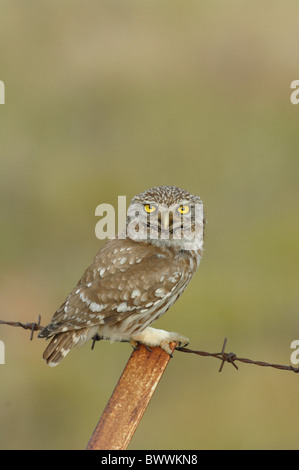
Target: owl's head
(167, 216)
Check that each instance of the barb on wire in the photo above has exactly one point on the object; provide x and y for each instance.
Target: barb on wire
(222, 356)
(27, 326)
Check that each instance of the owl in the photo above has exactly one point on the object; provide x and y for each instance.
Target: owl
(134, 278)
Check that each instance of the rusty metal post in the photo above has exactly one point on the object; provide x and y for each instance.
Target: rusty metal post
(129, 399)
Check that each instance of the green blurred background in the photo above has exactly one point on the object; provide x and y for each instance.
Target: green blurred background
(108, 98)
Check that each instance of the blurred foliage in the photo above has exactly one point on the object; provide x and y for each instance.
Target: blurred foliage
(108, 98)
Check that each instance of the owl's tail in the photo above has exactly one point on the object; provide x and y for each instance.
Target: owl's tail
(61, 344)
(59, 347)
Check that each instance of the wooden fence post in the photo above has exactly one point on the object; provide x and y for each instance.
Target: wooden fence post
(129, 399)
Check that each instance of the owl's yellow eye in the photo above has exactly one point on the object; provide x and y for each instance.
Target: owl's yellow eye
(150, 208)
(184, 209)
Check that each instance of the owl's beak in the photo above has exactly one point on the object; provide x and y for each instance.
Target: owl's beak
(165, 221)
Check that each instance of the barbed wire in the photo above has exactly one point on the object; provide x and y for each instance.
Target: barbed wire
(223, 356)
(232, 358)
(27, 326)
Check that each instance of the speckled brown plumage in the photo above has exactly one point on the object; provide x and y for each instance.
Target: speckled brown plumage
(129, 284)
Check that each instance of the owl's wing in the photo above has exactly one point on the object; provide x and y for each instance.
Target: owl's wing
(125, 278)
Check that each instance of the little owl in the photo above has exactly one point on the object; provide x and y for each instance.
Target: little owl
(135, 277)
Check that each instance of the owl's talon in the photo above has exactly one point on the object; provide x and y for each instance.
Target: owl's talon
(135, 345)
(181, 344)
(180, 341)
